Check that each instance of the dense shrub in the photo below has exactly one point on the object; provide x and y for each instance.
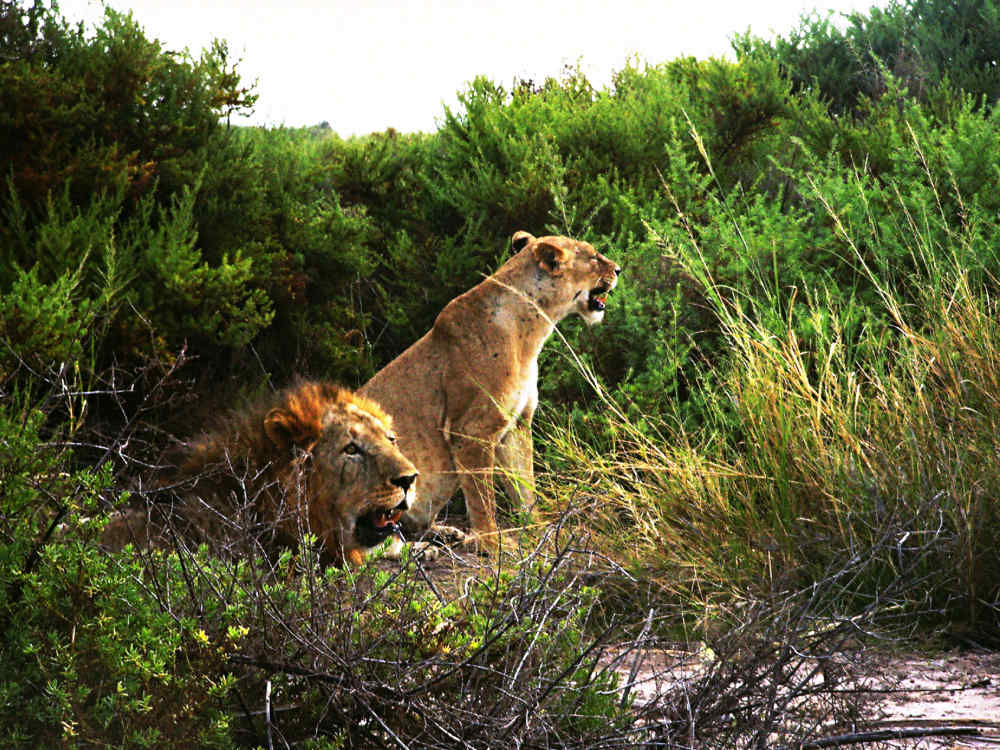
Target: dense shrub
(89, 656)
(121, 108)
(930, 46)
(127, 192)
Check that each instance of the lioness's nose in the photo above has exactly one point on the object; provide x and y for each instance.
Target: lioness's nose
(404, 482)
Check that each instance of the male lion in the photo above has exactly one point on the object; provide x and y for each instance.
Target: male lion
(463, 395)
(314, 458)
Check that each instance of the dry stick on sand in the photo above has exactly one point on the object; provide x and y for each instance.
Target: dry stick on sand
(884, 735)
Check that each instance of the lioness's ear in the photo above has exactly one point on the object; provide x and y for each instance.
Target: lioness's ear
(520, 239)
(550, 256)
(285, 430)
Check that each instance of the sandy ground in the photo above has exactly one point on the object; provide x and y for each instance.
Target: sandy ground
(910, 691)
(954, 688)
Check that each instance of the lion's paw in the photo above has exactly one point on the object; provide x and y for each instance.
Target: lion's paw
(426, 551)
(445, 536)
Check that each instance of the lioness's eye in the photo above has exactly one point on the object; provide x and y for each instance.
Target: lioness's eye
(392, 438)
(352, 449)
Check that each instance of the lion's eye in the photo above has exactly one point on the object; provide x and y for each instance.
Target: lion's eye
(392, 438)
(352, 449)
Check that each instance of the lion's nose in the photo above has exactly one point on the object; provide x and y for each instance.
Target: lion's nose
(404, 482)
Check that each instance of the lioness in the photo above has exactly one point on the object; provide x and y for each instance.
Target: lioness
(463, 395)
(314, 458)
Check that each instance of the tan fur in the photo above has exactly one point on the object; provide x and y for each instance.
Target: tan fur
(463, 396)
(315, 458)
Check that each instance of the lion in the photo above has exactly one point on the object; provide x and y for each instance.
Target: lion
(463, 395)
(313, 458)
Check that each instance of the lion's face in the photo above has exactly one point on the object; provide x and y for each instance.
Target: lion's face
(316, 458)
(363, 475)
(581, 273)
(356, 482)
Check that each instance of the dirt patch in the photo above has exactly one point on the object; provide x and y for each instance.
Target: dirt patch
(954, 688)
(909, 692)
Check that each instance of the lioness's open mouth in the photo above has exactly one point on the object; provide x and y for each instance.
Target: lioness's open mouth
(379, 524)
(598, 297)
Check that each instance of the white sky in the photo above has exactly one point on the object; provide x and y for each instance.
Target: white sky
(367, 66)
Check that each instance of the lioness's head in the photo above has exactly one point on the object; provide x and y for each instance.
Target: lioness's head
(352, 477)
(584, 276)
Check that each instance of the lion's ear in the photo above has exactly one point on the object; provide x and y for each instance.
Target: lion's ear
(550, 256)
(285, 430)
(520, 239)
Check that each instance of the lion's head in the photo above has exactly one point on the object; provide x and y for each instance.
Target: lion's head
(584, 275)
(343, 469)
(314, 458)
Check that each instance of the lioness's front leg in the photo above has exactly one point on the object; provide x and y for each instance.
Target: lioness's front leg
(474, 461)
(515, 467)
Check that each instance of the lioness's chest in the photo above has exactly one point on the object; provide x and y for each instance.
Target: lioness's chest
(523, 398)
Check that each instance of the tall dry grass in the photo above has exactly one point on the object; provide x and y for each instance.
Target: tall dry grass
(878, 441)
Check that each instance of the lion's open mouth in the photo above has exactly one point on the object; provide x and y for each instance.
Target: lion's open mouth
(383, 517)
(598, 297)
(377, 525)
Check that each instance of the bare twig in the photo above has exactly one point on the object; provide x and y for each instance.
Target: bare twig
(883, 735)
(267, 715)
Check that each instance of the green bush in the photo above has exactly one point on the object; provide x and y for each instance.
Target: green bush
(121, 109)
